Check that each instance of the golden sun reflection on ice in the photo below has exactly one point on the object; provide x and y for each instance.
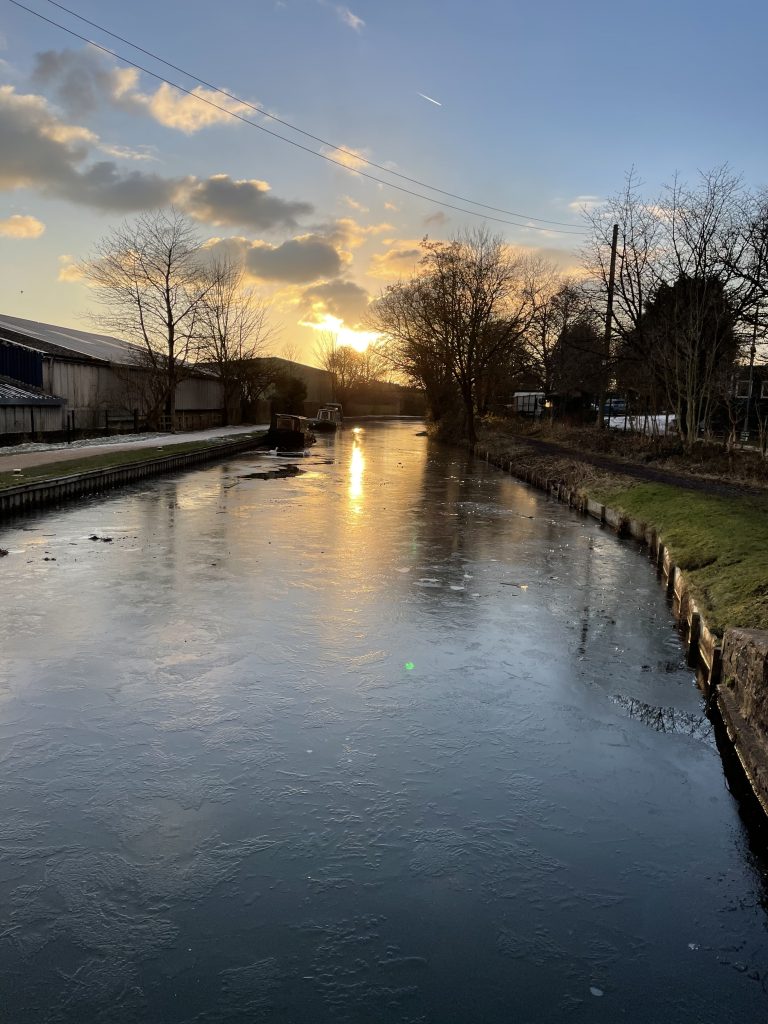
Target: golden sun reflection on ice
(356, 470)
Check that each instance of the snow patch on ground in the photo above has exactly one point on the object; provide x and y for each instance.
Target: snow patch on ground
(143, 440)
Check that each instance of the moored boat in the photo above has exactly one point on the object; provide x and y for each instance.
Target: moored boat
(328, 419)
(289, 433)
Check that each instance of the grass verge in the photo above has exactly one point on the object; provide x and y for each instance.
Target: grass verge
(111, 460)
(720, 543)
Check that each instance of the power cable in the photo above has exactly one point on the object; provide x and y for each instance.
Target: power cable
(291, 142)
(301, 131)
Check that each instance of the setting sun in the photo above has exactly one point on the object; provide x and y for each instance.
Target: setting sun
(358, 340)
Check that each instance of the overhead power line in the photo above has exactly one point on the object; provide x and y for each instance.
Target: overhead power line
(569, 229)
(301, 131)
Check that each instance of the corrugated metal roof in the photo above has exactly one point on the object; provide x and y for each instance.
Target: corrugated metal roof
(12, 392)
(71, 341)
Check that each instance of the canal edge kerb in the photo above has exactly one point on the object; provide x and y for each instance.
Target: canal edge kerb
(25, 497)
(725, 670)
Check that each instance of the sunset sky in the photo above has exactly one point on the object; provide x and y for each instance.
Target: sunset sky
(534, 108)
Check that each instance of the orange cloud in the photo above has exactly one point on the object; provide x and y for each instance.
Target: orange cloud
(18, 226)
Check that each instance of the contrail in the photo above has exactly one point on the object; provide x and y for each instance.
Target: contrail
(430, 100)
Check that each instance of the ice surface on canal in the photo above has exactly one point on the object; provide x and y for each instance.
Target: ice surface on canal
(395, 740)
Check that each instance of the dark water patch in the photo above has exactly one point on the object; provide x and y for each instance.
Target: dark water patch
(274, 474)
(668, 719)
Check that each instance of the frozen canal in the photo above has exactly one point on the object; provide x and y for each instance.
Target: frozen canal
(397, 740)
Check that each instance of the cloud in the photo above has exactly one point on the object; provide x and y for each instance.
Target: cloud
(354, 205)
(391, 206)
(42, 151)
(348, 233)
(581, 203)
(84, 80)
(301, 260)
(307, 258)
(436, 219)
(248, 203)
(350, 19)
(18, 226)
(69, 269)
(344, 300)
(352, 159)
(187, 113)
(127, 153)
(81, 80)
(400, 260)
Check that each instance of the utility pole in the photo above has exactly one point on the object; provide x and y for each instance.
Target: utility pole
(608, 325)
(752, 351)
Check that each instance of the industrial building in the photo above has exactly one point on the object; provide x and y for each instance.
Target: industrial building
(64, 380)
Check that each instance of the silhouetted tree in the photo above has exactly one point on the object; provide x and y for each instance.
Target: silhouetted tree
(689, 330)
(458, 320)
(150, 280)
(233, 331)
(289, 394)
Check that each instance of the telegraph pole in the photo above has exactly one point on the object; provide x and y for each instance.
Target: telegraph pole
(608, 325)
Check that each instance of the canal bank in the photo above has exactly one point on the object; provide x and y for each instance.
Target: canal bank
(46, 479)
(709, 554)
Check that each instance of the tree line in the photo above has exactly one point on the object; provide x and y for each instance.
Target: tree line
(480, 319)
(477, 320)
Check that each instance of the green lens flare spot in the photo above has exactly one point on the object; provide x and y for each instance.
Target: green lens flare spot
(409, 666)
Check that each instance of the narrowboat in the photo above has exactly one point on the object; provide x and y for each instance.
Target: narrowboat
(328, 418)
(289, 433)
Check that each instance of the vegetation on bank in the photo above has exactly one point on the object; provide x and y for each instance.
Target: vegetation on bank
(719, 540)
(720, 543)
(108, 460)
(718, 462)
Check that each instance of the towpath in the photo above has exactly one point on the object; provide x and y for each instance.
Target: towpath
(27, 455)
(498, 444)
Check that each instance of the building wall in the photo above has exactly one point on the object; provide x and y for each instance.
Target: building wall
(18, 420)
(318, 382)
(97, 395)
(199, 393)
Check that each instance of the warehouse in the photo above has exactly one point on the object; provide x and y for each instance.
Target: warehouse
(93, 381)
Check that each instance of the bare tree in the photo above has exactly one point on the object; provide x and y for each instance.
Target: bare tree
(148, 279)
(411, 348)
(233, 331)
(682, 295)
(290, 350)
(467, 309)
(342, 362)
(637, 266)
(696, 343)
(559, 304)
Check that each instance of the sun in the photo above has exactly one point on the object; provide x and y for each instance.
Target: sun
(358, 340)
